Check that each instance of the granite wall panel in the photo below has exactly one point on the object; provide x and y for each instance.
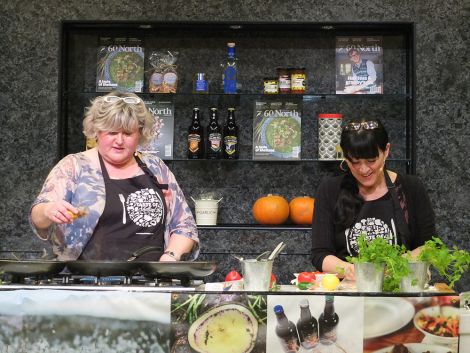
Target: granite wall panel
(29, 38)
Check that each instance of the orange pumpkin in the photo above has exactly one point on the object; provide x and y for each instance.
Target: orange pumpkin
(271, 209)
(301, 210)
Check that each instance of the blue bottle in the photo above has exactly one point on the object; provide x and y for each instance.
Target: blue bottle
(230, 69)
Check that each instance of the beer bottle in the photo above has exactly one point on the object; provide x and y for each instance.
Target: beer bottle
(286, 331)
(307, 326)
(196, 137)
(328, 320)
(214, 136)
(231, 150)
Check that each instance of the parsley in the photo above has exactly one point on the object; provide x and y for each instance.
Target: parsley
(449, 263)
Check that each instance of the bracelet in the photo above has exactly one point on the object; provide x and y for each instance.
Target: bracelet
(171, 254)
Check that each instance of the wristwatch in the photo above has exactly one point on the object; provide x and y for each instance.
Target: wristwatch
(171, 254)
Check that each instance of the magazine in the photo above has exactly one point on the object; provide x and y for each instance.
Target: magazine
(162, 142)
(359, 65)
(120, 65)
(276, 131)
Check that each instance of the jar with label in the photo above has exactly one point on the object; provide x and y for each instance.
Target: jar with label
(284, 80)
(329, 135)
(201, 85)
(298, 79)
(271, 85)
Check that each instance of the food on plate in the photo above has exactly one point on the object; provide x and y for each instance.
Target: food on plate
(82, 211)
(440, 325)
(301, 210)
(271, 209)
(232, 276)
(229, 325)
(330, 282)
(305, 280)
(399, 348)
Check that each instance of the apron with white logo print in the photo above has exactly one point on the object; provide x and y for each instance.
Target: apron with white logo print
(133, 217)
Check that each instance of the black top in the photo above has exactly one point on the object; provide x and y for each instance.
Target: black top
(329, 239)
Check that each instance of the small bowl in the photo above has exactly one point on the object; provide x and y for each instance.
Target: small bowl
(436, 311)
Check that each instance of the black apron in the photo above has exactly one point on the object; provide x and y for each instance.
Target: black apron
(133, 217)
(402, 230)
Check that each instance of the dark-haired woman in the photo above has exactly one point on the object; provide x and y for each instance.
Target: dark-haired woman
(369, 199)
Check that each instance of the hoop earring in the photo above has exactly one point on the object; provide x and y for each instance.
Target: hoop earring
(342, 167)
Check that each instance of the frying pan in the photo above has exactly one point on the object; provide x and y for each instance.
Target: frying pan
(178, 269)
(31, 267)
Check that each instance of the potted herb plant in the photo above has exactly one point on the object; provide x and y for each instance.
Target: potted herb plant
(451, 263)
(379, 265)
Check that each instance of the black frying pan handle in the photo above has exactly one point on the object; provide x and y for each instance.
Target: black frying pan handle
(144, 250)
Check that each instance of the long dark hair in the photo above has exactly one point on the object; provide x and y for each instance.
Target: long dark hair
(360, 139)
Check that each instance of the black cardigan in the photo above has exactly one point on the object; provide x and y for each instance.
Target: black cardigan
(421, 221)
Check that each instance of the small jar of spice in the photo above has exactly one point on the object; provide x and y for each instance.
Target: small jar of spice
(298, 80)
(271, 85)
(284, 80)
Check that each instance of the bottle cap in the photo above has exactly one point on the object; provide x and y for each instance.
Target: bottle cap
(278, 309)
(304, 303)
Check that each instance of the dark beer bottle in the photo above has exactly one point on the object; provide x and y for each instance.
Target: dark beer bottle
(214, 136)
(307, 326)
(196, 137)
(231, 150)
(286, 331)
(328, 320)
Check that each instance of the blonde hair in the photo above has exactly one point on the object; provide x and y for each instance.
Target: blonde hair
(117, 115)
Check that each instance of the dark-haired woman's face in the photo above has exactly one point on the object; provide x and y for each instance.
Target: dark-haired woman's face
(369, 172)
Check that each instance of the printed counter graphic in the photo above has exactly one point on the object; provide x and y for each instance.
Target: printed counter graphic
(145, 321)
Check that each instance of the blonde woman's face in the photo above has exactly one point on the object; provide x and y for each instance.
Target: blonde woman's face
(117, 147)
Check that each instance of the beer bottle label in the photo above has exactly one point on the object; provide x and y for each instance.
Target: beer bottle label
(193, 142)
(215, 139)
(230, 144)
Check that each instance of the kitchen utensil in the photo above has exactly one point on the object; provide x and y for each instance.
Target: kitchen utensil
(263, 256)
(277, 250)
(123, 201)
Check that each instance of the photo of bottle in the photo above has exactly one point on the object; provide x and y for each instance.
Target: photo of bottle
(328, 320)
(307, 326)
(286, 331)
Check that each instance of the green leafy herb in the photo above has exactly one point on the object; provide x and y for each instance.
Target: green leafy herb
(449, 263)
(379, 251)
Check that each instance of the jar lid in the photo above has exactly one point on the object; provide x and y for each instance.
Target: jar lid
(330, 116)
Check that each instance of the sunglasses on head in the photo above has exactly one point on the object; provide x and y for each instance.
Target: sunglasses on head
(366, 125)
(128, 100)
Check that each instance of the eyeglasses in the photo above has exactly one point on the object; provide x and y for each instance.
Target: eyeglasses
(366, 125)
(128, 100)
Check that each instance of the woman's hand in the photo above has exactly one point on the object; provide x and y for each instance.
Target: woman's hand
(59, 212)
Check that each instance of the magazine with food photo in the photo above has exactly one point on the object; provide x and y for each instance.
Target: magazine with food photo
(161, 143)
(276, 131)
(359, 65)
(120, 65)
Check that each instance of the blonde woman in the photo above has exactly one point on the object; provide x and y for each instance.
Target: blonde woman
(131, 200)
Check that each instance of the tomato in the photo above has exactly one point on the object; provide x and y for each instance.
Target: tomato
(273, 281)
(308, 277)
(232, 276)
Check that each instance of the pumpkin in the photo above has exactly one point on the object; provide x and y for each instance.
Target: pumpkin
(271, 209)
(301, 210)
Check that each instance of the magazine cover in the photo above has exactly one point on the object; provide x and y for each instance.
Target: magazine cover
(276, 131)
(120, 65)
(162, 141)
(359, 65)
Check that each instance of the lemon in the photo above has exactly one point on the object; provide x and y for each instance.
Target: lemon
(330, 282)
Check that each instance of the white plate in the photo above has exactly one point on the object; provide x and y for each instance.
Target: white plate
(418, 348)
(385, 315)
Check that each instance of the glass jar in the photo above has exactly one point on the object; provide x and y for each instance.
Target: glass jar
(283, 75)
(271, 85)
(298, 79)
